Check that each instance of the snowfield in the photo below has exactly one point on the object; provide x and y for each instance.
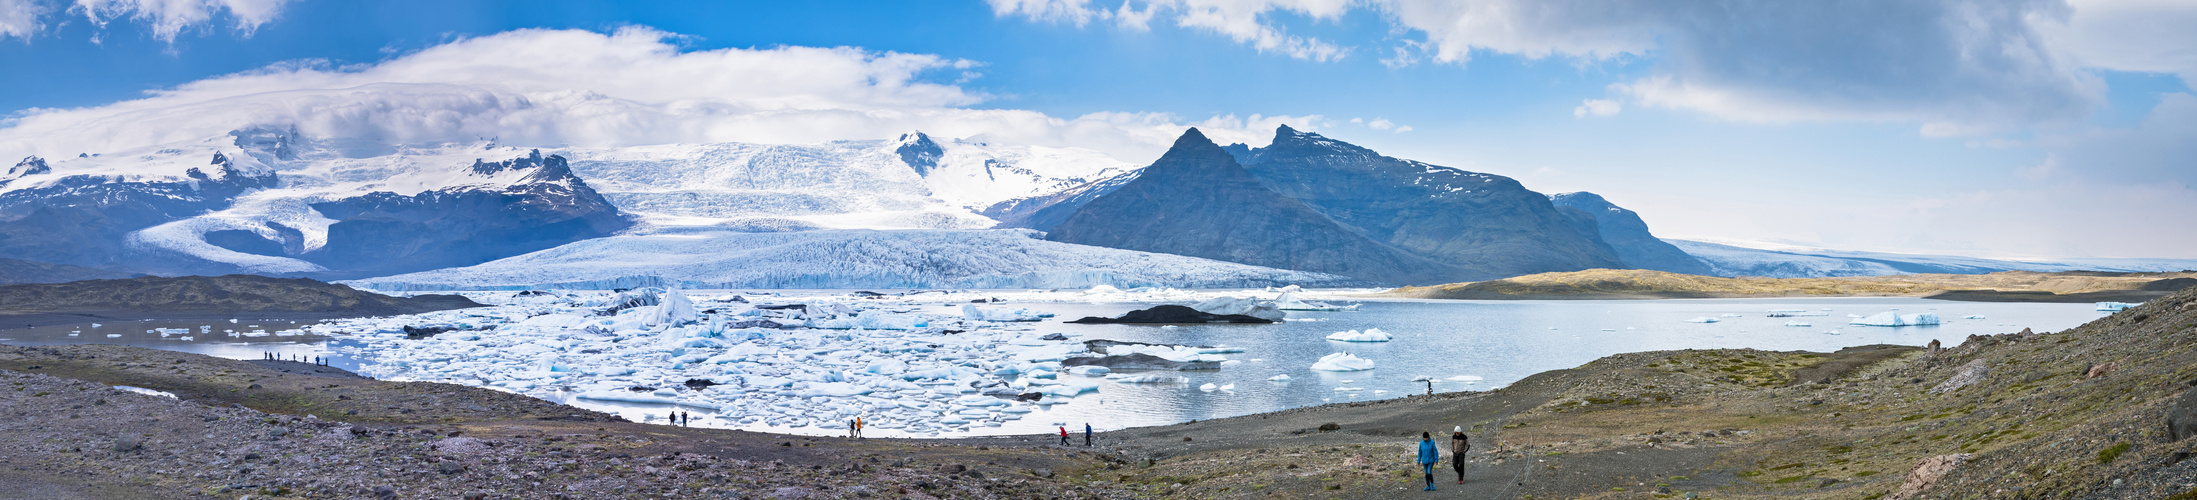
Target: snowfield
(997, 259)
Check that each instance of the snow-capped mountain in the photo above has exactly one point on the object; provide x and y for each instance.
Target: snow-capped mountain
(1795, 262)
(1625, 233)
(1010, 258)
(914, 182)
(262, 200)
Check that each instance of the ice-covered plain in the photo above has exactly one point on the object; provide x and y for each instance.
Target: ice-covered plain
(1007, 258)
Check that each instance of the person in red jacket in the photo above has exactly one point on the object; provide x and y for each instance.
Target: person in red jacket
(1064, 435)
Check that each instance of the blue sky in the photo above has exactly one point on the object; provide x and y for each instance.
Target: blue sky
(1856, 128)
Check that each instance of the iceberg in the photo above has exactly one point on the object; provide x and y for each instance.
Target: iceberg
(1894, 319)
(1369, 335)
(2117, 306)
(1001, 314)
(1289, 302)
(1245, 306)
(1798, 323)
(1342, 362)
(1702, 319)
(1279, 378)
(1149, 378)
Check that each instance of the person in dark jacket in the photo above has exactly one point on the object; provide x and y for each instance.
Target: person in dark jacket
(1428, 456)
(1458, 445)
(1086, 433)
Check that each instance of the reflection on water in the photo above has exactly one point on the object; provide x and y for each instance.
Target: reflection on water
(1462, 345)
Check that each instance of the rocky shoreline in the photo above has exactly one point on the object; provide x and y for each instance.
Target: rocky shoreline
(2077, 414)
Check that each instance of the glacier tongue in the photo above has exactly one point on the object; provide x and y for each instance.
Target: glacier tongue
(998, 259)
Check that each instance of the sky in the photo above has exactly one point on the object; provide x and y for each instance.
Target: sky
(1993, 128)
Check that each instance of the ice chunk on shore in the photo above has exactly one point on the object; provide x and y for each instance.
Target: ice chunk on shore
(1342, 362)
(1240, 305)
(1369, 335)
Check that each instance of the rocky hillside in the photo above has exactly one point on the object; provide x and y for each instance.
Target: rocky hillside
(2008, 286)
(1197, 201)
(1626, 234)
(16, 271)
(1488, 225)
(214, 295)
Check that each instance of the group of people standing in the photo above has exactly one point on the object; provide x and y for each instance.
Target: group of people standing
(1429, 454)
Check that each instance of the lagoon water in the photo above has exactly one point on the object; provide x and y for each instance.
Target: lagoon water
(1464, 345)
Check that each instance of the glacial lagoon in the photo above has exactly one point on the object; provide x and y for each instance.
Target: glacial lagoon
(1460, 345)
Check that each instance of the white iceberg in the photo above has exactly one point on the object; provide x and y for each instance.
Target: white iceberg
(1240, 305)
(1702, 319)
(1279, 378)
(1342, 362)
(1001, 314)
(1369, 335)
(1149, 378)
(1894, 319)
(2117, 306)
(1798, 323)
(1289, 302)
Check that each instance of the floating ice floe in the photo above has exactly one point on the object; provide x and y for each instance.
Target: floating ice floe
(1279, 378)
(1147, 378)
(1466, 378)
(1369, 335)
(1798, 323)
(2117, 306)
(1240, 305)
(1894, 319)
(1342, 362)
(1973, 316)
(1288, 301)
(1702, 319)
(1001, 314)
(1209, 387)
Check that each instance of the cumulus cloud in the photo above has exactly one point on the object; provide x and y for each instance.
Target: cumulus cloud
(555, 88)
(1957, 67)
(1596, 107)
(1247, 22)
(167, 18)
(20, 18)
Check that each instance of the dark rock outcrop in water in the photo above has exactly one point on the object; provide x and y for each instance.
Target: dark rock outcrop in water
(1487, 226)
(1139, 361)
(215, 294)
(1197, 201)
(1171, 314)
(1627, 235)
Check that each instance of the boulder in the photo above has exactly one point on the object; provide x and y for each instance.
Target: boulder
(1969, 374)
(1927, 473)
(2181, 419)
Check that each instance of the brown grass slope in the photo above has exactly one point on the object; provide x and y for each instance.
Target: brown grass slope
(1643, 284)
(1748, 424)
(214, 295)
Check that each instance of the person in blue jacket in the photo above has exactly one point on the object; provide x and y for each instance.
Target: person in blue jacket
(1428, 456)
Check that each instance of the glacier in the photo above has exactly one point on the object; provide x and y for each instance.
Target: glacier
(1794, 262)
(841, 259)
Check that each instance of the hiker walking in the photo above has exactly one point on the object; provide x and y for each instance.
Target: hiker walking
(684, 419)
(1064, 435)
(1086, 433)
(858, 427)
(1428, 456)
(1458, 445)
(851, 428)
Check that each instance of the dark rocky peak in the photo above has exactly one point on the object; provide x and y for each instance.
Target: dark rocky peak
(31, 165)
(1291, 143)
(533, 159)
(919, 152)
(1193, 152)
(267, 142)
(220, 159)
(1243, 152)
(1583, 200)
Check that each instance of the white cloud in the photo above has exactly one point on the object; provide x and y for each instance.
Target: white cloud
(1244, 21)
(567, 87)
(167, 18)
(1955, 67)
(20, 18)
(1596, 107)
